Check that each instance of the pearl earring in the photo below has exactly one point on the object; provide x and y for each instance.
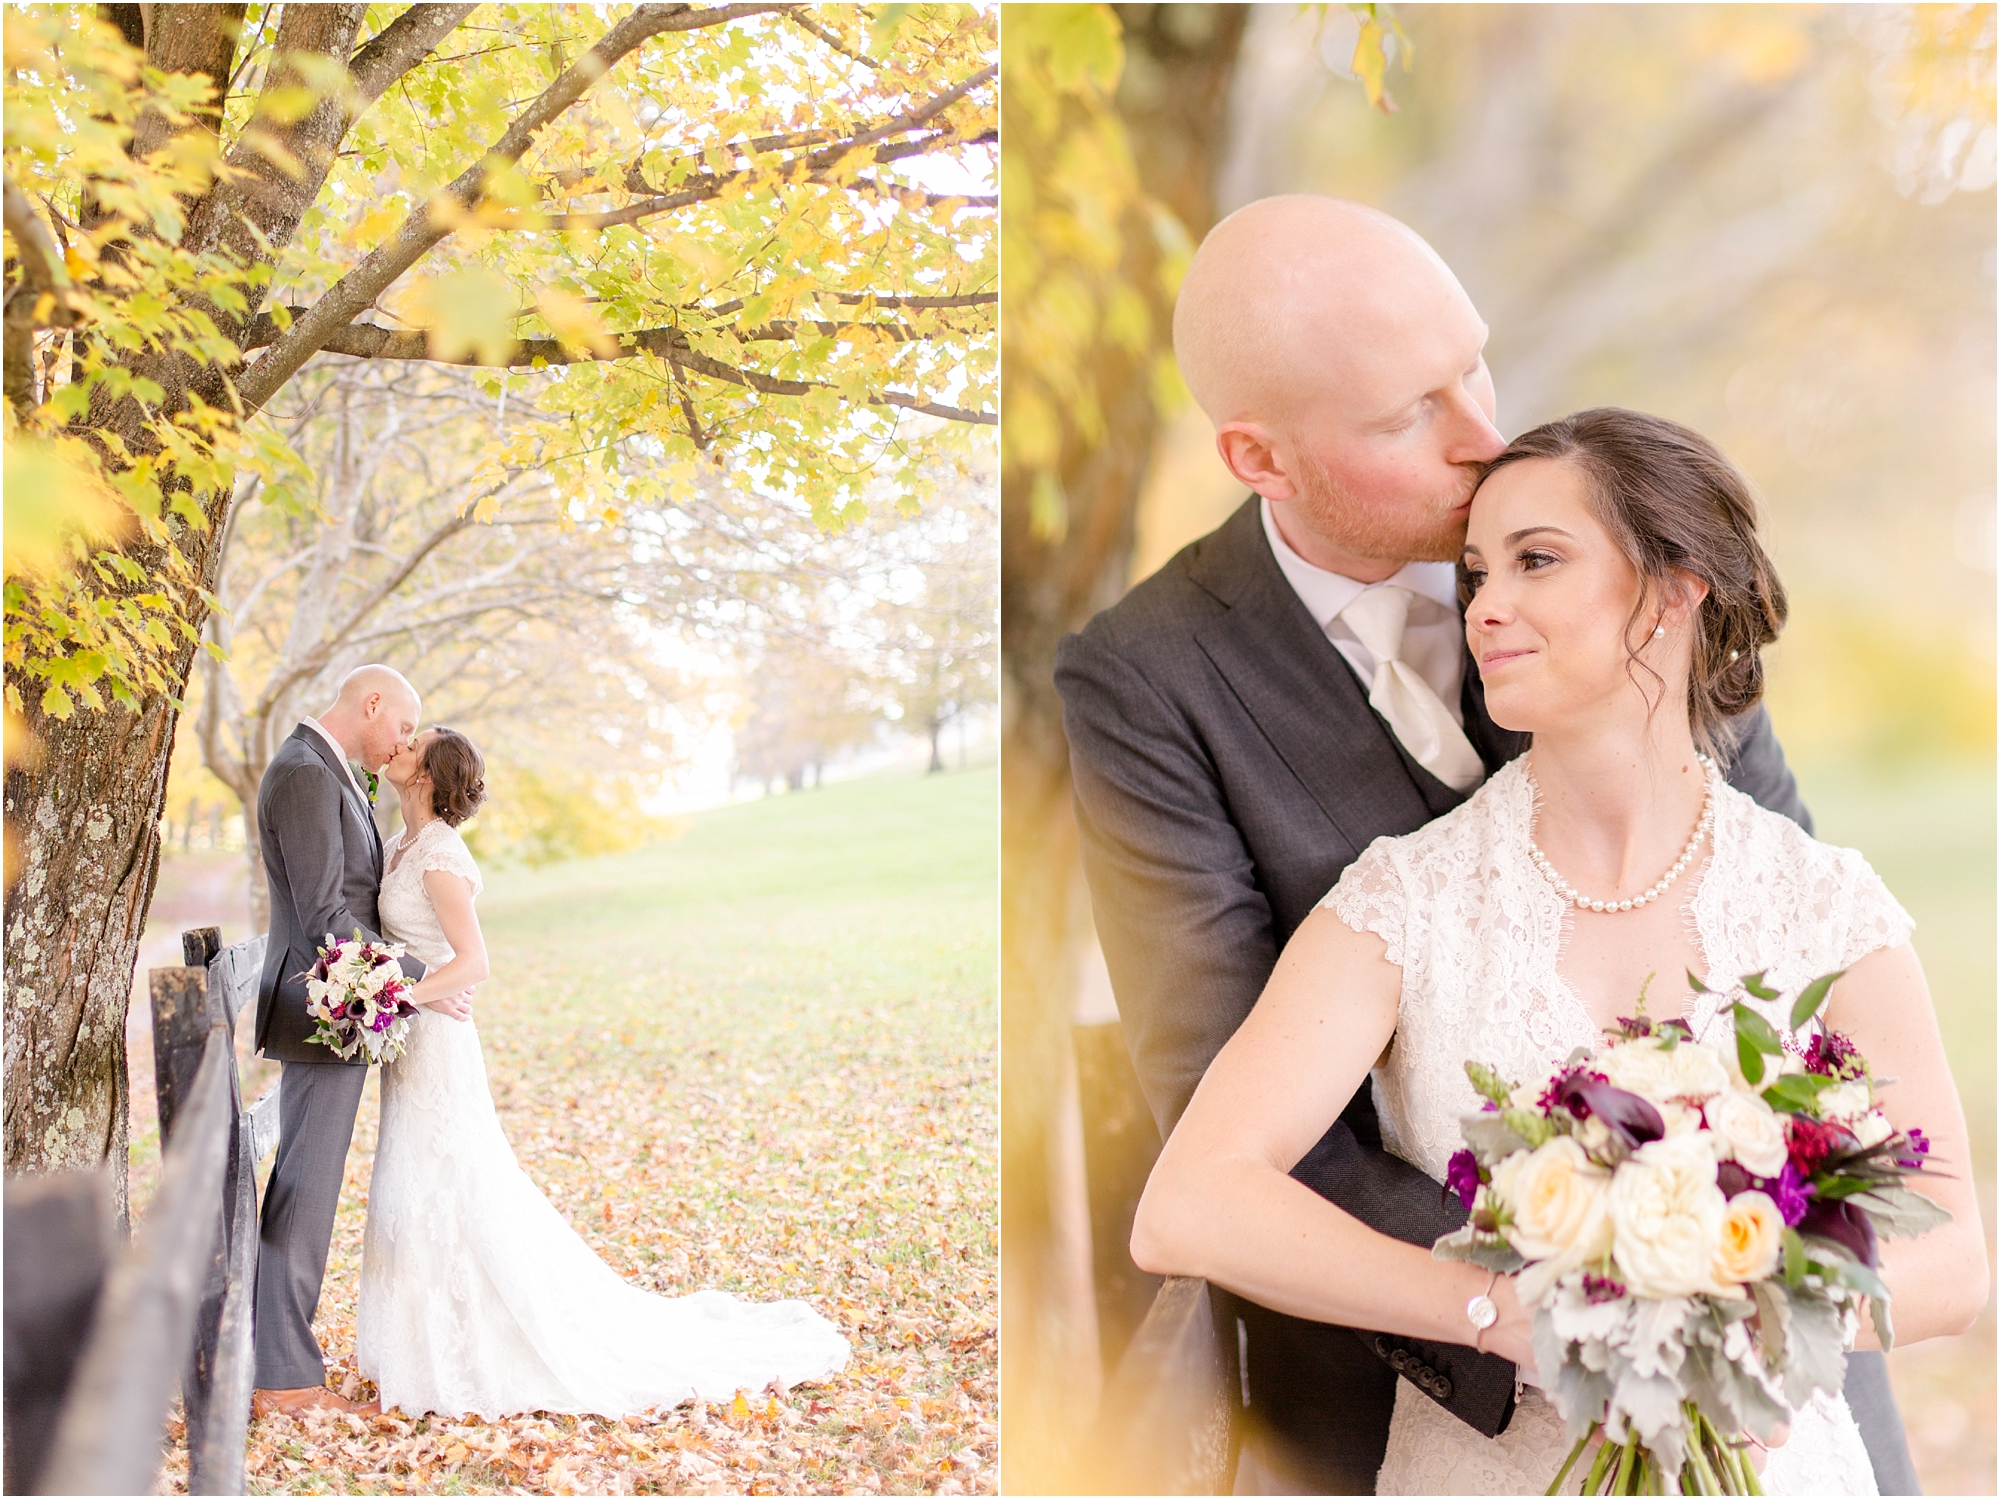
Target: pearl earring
(1659, 632)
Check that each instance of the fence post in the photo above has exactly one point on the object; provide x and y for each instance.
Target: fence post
(59, 1241)
(107, 1440)
(185, 1014)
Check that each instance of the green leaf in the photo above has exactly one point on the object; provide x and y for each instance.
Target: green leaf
(1899, 1212)
(1696, 984)
(1758, 989)
(55, 703)
(1795, 1091)
(1488, 1251)
(1811, 998)
(1795, 1258)
(1754, 1041)
(1885, 1329)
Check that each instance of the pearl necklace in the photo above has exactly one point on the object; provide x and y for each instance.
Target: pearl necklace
(1572, 896)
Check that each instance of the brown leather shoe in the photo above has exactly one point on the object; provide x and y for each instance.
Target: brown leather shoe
(312, 1397)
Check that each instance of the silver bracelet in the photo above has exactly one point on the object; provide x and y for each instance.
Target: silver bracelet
(1482, 1313)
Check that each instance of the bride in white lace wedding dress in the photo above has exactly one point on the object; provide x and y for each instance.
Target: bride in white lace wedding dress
(1613, 576)
(476, 1296)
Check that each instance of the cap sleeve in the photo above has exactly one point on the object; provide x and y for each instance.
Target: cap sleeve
(445, 849)
(1371, 896)
(1866, 916)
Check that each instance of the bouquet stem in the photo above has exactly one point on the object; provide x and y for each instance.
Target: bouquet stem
(1713, 1464)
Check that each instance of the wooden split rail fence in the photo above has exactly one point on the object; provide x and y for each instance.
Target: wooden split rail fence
(99, 1335)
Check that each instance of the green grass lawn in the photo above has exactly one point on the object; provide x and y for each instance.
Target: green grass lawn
(760, 1057)
(1931, 838)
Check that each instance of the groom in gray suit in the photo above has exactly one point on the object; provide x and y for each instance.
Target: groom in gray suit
(1287, 689)
(323, 864)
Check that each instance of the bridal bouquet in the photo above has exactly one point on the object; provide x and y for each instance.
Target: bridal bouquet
(356, 994)
(1694, 1223)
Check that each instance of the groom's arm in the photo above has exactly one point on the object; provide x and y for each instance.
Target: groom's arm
(304, 814)
(1190, 939)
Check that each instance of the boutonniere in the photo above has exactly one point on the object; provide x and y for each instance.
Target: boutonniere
(369, 780)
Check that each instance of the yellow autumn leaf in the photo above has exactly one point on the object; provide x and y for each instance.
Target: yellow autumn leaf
(468, 311)
(739, 1407)
(574, 322)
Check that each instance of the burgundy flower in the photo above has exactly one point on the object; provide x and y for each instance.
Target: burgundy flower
(1628, 1116)
(1810, 1142)
(1845, 1224)
(1598, 1288)
(1461, 1175)
(1732, 1178)
(1634, 1027)
(1552, 1095)
(1831, 1054)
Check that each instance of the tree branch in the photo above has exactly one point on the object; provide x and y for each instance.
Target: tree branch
(363, 341)
(421, 230)
(801, 21)
(401, 45)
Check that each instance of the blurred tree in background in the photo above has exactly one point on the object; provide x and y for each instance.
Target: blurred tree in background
(1773, 223)
(696, 234)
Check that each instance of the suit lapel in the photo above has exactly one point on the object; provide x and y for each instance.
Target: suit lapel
(348, 791)
(1302, 695)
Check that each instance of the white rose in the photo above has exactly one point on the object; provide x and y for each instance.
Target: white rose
(1872, 1128)
(1666, 1217)
(1844, 1102)
(1557, 1200)
(1657, 1073)
(1752, 1235)
(1679, 1118)
(1749, 1131)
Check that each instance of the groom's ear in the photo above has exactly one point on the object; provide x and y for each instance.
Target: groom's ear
(1249, 451)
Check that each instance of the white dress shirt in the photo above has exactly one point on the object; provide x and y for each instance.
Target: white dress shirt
(340, 754)
(1434, 639)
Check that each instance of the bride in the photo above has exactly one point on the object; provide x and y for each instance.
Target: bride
(1617, 600)
(476, 1296)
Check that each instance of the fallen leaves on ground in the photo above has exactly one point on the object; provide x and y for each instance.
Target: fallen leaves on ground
(800, 1104)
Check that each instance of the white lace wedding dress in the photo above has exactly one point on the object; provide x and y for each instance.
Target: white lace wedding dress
(476, 1296)
(1478, 934)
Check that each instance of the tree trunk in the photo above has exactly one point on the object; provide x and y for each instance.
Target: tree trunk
(89, 812)
(88, 802)
(1179, 62)
(936, 727)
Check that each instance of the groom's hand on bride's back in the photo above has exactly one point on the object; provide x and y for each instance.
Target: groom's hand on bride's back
(458, 1006)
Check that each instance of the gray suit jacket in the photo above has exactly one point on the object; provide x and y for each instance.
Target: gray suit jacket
(1227, 767)
(323, 865)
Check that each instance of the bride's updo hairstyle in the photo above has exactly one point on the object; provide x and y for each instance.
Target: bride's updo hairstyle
(458, 775)
(1673, 504)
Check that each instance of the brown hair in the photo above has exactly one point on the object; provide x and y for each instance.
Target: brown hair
(1674, 504)
(457, 773)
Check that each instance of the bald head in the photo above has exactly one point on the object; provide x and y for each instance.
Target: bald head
(374, 713)
(1294, 297)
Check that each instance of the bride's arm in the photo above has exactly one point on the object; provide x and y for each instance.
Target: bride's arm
(1220, 1205)
(1937, 1283)
(451, 896)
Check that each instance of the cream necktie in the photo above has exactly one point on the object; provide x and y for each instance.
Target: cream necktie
(1401, 695)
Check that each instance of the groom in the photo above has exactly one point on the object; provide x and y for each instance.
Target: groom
(323, 863)
(1287, 689)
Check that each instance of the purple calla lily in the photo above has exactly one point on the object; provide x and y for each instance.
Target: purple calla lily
(1843, 1223)
(1628, 1116)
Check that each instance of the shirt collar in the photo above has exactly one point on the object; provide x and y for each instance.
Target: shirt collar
(1326, 593)
(338, 753)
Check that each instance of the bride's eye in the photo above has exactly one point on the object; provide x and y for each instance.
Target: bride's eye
(1535, 561)
(1470, 579)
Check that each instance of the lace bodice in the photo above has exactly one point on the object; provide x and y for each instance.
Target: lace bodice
(1479, 934)
(407, 914)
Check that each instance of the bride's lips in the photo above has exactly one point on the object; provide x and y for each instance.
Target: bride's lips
(1491, 659)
